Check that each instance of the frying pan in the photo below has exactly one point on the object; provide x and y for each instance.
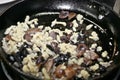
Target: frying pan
(92, 10)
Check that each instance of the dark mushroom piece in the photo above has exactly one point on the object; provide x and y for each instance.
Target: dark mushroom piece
(8, 37)
(59, 72)
(64, 39)
(50, 47)
(70, 72)
(19, 56)
(33, 31)
(53, 47)
(71, 15)
(91, 55)
(69, 25)
(53, 35)
(40, 61)
(61, 59)
(18, 60)
(76, 67)
(88, 62)
(67, 14)
(49, 64)
(28, 33)
(63, 14)
(81, 48)
(102, 69)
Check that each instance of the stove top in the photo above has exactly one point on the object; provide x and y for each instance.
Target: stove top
(7, 74)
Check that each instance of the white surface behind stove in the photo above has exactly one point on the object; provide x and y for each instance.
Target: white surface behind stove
(5, 1)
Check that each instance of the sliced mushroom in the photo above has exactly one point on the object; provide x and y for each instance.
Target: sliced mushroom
(50, 47)
(63, 14)
(53, 35)
(54, 44)
(64, 39)
(70, 72)
(69, 35)
(33, 31)
(40, 60)
(80, 53)
(69, 24)
(28, 37)
(28, 33)
(8, 37)
(87, 61)
(81, 48)
(71, 15)
(59, 72)
(75, 67)
(91, 55)
(53, 47)
(49, 64)
(67, 14)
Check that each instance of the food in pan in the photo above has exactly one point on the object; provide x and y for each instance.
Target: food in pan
(69, 48)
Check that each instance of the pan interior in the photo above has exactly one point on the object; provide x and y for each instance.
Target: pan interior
(106, 37)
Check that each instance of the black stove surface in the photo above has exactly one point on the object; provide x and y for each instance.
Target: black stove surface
(7, 74)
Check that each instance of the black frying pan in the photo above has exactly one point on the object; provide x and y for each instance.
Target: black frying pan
(110, 22)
